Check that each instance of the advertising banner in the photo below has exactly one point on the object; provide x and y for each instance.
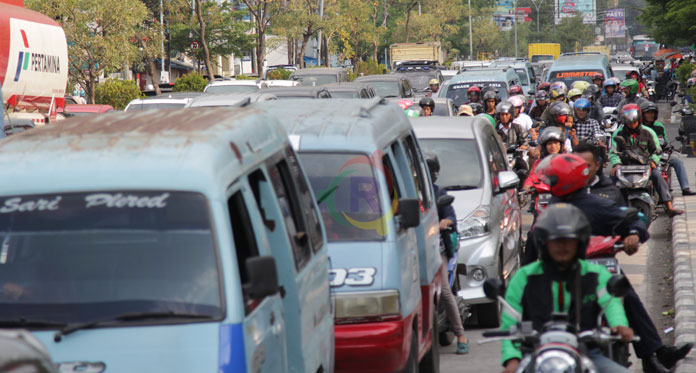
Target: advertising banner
(568, 8)
(615, 23)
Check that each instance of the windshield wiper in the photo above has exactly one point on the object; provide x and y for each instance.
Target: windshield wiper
(71, 328)
(22, 322)
(460, 187)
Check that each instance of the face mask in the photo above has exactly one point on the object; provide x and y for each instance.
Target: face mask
(561, 119)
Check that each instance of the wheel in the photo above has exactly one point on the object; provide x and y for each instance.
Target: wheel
(412, 362)
(431, 361)
(643, 207)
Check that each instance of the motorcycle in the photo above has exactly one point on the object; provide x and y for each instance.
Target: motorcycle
(449, 244)
(610, 123)
(652, 92)
(560, 346)
(633, 179)
(687, 128)
(518, 159)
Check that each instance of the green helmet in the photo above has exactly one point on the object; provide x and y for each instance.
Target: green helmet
(411, 113)
(632, 86)
(489, 118)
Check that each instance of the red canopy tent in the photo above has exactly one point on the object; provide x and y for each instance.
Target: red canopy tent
(668, 53)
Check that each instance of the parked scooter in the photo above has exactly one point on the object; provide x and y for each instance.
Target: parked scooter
(633, 178)
(449, 241)
(557, 348)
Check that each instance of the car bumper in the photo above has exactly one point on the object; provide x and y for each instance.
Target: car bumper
(373, 347)
(477, 253)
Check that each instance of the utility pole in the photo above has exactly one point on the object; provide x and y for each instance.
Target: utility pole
(515, 18)
(471, 42)
(537, 4)
(162, 36)
(321, 17)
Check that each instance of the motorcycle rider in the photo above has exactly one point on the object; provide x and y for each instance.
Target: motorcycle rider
(643, 139)
(542, 101)
(573, 95)
(629, 88)
(562, 234)
(518, 115)
(448, 219)
(509, 132)
(558, 91)
(567, 173)
(593, 93)
(598, 183)
(650, 114)
(474, 94)
(465, 111)
(434, 88)
(586, 128)
(611, 98)
(515, 90)
(428, 106)
(560, 115)
(490, 99)
(598, 79)
(641, 87)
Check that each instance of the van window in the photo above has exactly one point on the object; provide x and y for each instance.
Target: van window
(418, 170)
(244, 242)
(496, 159)
(306, 201)
(346, 185)
(392, 183)
(78, 257)
(291, 209)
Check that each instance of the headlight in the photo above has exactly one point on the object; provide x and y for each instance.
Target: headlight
(555, 361)
(366, 306)
(474, 225)
(477, 274)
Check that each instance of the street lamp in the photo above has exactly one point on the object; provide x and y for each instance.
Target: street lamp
(537, 4)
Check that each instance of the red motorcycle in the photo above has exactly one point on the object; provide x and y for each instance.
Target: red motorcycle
(602, 250)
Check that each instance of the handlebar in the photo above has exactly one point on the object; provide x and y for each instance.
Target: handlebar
(496, 333)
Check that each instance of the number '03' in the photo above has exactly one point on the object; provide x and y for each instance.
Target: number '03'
(352, 276)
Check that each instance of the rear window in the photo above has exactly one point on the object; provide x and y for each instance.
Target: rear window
(419, 81)
(315, 80)
(153, 106)
(345, 94)
(231, 89)
(570, 76)
(524, 78)
(348, 191)
(457, 91)
(460, 164)
(386, 88)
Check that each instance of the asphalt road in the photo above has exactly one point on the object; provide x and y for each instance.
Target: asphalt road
(649, 270)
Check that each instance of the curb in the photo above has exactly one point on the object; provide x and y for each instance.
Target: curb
(684, 289)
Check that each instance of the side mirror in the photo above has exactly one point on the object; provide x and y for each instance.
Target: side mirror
(630, 213)
(618, 286)
(445, 200)
(673, 103)
(493, 288)
(408, 211)
(508, 180)
(263, 277)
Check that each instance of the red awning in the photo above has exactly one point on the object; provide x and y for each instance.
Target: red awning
(668, 53)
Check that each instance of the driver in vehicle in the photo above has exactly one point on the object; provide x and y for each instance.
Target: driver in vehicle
(547, 286)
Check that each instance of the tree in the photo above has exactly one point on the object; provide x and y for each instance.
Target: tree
(262, 12)
(671, 22)
(299, 21)
(98, 33)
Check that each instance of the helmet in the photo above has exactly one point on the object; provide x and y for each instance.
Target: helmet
(549, 134)
(405, 104)
(580, 84)
(593, 90)
(465, 110)
(649, 106)
(596, 76)
(609, 82)
(631, 84)
(574, 92)
(473, 88)
(476, 107)
(412, 113)
(433, 165)
(490, 95)
(488, 118)
(515, 90)
(516, 101)
(545, 86)
(427, 101)
(560, 112)
(434, 82)
(503, 107)
(630, 114)
(561, 220)
(631, 72)
(558, 89)
(564, 173)
(616, 80)
(542, 95)
(582, 104)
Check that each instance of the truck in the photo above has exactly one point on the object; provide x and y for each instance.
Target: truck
(598, 48)
(543, 51)
(426, 51)
(33, 64)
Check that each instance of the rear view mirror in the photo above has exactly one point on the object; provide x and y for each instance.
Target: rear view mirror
(263, 277)
(507, 180)
(444, 200)
(493, 288)
(408, 212)
(618, 286)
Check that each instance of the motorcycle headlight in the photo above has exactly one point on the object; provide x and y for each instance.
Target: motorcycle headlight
(366, 306)
(475, 225)
(555, 361)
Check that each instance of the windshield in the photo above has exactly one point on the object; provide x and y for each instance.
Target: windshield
(460, 165)
(315, 80)
(386, 89)
(570, 76)
(420, 81)
(442, 109)
(524, 78)
(153, 106)
(79, 257)
(542, 57)
(231, 89)
(457, 91)
(352, 194)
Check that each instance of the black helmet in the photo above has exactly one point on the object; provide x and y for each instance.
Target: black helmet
(593, 90)
(561, 220)
(551, 133)
(433, 163)
(476, 107)
(503, 107)
(490, 95)
(649, 106)
(427, 101)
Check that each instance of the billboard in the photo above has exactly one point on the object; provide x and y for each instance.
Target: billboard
(615, 23)
(504, 15)
(568, 8)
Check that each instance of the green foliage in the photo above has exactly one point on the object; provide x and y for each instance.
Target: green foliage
(351, 76)
(117, 93)
(671, 22)
(684, 72)
(245, 77)
(371, 67)
(190, 83)
(279, 74)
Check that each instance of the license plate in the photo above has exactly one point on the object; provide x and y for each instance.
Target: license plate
(611, 264)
